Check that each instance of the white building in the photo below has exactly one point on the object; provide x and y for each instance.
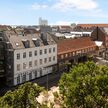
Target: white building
(33, 55)
(43, 22)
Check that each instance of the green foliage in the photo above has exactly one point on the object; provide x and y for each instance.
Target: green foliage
(90, 57)
(23, 97)
(85, 86)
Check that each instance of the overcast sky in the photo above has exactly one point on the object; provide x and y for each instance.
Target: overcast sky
(27, 12)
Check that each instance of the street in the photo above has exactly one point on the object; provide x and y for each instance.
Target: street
(46, 81)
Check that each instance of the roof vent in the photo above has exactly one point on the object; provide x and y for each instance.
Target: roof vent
(34, 39)
(17, 44)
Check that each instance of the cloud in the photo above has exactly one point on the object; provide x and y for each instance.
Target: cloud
(37, 6)
(66, 5)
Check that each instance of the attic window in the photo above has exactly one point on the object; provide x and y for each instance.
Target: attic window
(36, 42)
(26, 43)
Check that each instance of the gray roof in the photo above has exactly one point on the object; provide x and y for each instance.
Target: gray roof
(104, 29)
(18, 37)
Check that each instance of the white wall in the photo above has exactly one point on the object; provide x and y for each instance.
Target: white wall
(33, 58)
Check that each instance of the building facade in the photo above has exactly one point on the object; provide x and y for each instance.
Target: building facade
(43, 22)
(28, 55)
(74, 51)
(100, 35)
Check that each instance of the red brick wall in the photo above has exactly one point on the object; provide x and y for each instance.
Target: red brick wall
(97, 33)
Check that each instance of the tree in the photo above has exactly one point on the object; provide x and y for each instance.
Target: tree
(23, 97)
(85, 86)
(7, 100)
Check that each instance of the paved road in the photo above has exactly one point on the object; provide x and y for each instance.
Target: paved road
(46, 81)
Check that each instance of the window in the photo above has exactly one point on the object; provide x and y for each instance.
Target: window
(40, 52)
(73, 53)
(40, 72)
(30, 54)
(82, 51)
(30, 64)
(24, 65)
(26, 43)
(91, 49)
(66, 55)
(62, 56)
(45, 60)
(54, 49)
(76, 52)
(35, 53)
(49, 50)
(35, 74)
(85, 50)
(24, 78)
(18, 67)
(53, 58)
(18, 79)
(40, 61)
(45, 51)
(49, 59)
(24, 55)
(30, 76)
(35, 63)
(18, 56)
(36, 41)
(69, 54)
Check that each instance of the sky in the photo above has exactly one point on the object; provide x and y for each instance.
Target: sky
(57, 12)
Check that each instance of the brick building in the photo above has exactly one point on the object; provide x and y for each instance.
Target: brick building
(100, 34)
(65, 29)
(88, 27)
(74, 50)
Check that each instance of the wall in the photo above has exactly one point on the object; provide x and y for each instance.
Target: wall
(98, 35)
(45, 67)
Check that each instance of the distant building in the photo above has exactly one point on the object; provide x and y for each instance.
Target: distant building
(5, 27)
(43, 22)
(88, 27)
(100, 36)
(55, 29)
(92, 25)
(45, 29)
(65, 29)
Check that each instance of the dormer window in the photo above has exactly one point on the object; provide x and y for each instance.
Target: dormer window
(26, 43)
(36, 42)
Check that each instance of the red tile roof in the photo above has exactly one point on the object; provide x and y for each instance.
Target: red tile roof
(70, 45)
(92, 25)
(64, 26)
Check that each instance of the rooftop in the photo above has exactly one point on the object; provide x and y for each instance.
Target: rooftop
(92, 25)
(27, 38)
(104, 29)
(69, 45)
